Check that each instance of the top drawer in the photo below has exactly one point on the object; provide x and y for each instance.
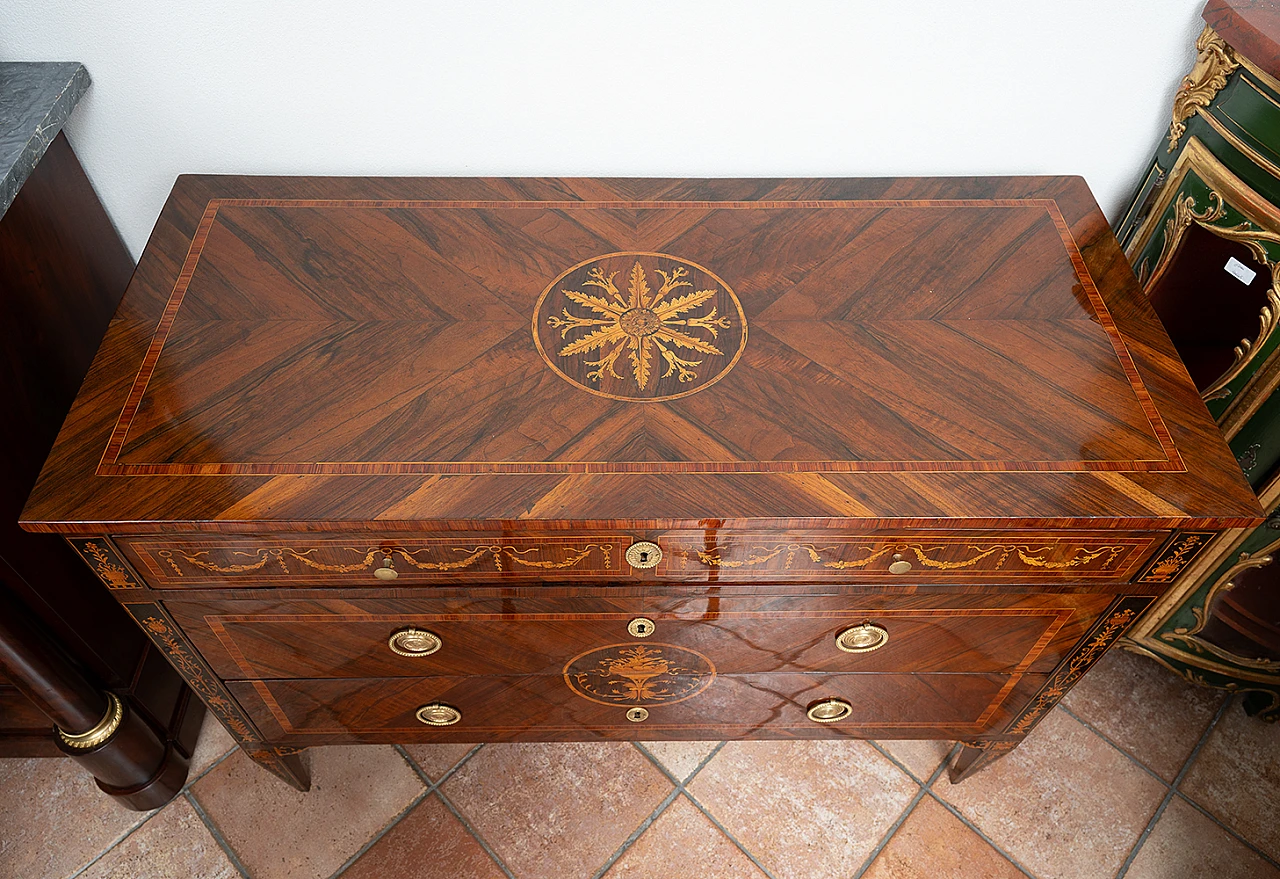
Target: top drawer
(380, 560)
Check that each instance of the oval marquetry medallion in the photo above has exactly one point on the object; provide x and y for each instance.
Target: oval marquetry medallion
(639, 674)
(639, 326)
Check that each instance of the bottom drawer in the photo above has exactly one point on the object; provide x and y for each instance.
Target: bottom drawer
(553, 708)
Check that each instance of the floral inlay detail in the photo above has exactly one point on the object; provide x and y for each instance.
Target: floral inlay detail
(639, 674)
(641, 324)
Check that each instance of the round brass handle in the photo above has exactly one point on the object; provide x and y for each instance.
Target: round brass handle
(414, 642)
(829, 710)
(637, 714)
(644, 554)
(641, 627)
(862, 639)
(386, 572)
(899, 565)
(438, 714)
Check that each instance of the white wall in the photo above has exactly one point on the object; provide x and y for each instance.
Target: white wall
(693, 88)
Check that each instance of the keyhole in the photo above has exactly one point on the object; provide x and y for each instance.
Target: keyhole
(644, 557)
(641, 627)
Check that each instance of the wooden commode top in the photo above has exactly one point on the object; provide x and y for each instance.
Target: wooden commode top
(331, 410)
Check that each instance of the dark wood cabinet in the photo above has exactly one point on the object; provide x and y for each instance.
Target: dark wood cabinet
(70, 655)
(378, 460)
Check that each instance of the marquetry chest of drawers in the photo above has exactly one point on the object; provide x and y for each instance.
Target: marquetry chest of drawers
(392, 460)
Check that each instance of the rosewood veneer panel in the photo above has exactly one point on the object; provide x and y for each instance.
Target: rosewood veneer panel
(542, 708)
(927, 633)
(890, 350)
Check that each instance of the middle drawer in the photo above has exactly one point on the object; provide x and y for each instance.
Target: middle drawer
(253, 639)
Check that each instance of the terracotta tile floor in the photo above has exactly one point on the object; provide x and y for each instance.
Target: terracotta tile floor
(1137, 775)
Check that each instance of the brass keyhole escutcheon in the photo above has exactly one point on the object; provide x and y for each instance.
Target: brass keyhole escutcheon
(644, 554)
(641, 627)
(386, 572)
(637, 714)
(438, 714)
(862, 639)
(829, 710)
(899, 565)
(414, 642)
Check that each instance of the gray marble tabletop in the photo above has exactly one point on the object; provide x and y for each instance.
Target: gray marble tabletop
(36, 97)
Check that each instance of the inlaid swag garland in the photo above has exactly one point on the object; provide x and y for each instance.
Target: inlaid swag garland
(1031, 556)
(473, 555)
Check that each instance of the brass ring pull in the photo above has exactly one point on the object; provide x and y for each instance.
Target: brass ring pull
(438, 714)
(899, 565)
(386, 572)
(414, 642)
(862, 639)
(641, 627)
(644, 554)
(829, 710)
(637, 714)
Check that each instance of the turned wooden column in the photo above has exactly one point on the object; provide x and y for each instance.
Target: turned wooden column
(92, 726)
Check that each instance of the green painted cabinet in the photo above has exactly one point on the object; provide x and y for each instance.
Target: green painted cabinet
(1203, 235)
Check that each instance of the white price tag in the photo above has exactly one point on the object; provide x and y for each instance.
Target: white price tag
(1240, 271)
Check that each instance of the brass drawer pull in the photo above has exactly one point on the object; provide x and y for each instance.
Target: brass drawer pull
(899, 565)
(637, 714)
(643, 554)
(863, 638)
(829, 710)
(438, 714)
(641, 627)
(386, 572)
(414, 642)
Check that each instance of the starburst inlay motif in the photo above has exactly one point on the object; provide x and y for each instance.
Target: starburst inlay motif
(640, 324)
(666, 335)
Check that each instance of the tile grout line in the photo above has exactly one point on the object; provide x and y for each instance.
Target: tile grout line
(217, 835)
(927, 785)
(923, 782)
(921, 790)
(110, 848)
(1173, 790)
(488, 850)
(981, 835)
(1106, 738)
(429, 788)
(445, 776)
(635, 834)
(434, 787)
(1230, 700)
(212, 766)
(377, 837)
(415, 768)
(1214, 818)
(733, 839)
(132, 830)
(681, 788)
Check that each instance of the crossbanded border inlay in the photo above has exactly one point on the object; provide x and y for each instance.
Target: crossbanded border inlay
(111, 466)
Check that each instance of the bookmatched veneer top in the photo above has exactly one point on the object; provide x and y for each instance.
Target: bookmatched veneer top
(440, 353)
